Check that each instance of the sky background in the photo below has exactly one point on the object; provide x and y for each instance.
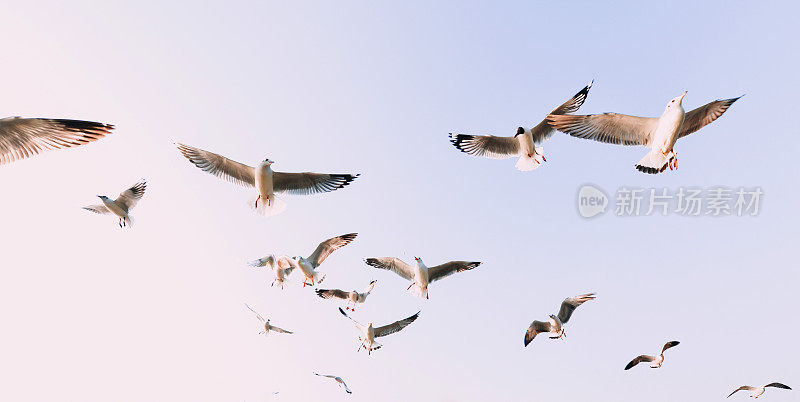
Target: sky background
(94, 313)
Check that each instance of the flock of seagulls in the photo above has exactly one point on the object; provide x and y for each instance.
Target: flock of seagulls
(25, 137)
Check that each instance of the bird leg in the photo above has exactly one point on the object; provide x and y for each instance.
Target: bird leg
(259, 197)
(409, 286)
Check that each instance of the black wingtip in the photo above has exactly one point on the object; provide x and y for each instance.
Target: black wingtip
(342, 311)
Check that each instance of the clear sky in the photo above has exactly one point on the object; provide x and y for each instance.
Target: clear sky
(95, 313)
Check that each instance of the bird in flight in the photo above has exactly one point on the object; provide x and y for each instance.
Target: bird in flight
(121, 207)
(369, 333)
(523, 143)
(353, 297)
(656, 360)
(555, 325)
(338, 380)
(659, 134)
(280, 266)
(755, 392)
(267, 326)
(265, 181)
(420, 275)
(309, 265)
(22, 138)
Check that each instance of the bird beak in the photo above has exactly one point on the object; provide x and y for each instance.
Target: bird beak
(684, 94)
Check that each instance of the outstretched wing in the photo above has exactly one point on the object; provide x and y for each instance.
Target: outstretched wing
(570, 304)
(128, 198)
(369, 287)
(260, 318)
(309, 183)
(263, 262)
(325, 375)
(542, 131)
(642, 358)
(777, 385)
(704, 115)
(22, 138)
(536, 328)
(98, 209)
(612, 128)
(742, 388)
(449, 268)
(281, 330)
(220, 166)
(328, 246)
(487, 146)
(332, 294)
(358, 325)
(395, 326)
(392, 264)
(669, 345)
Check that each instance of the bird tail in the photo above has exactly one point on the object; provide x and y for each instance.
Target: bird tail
(417, 291)
(318, 277)
(526, 163)
(652, 163)
(267, 208)
(128, 222)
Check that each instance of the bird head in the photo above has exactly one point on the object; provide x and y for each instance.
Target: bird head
(418, 260)
(677, 101)
(520, 131)
(268, 162)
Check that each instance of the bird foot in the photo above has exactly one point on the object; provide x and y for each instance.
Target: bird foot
(256, 204)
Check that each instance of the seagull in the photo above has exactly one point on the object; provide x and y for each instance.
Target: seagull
(339, 380)
(279, 265)
(308, 265)
(755, 392)
(523, 143)
(370, 333)
(352, 297)
(555, 325)
(22, 138)
(121, 207)
(421, 276)
(266, 181)
(657, 360)
(267, 326)
(658, 134)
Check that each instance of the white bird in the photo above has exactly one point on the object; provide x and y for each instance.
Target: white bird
(658, 134)
(523, 143)
(555, 325)
(339, 380)
(121, 207)
(280, 266)
(755, 392)
(656, 360)
(369, 333)
(267, 326)
(309, 265)
(22, 138)
(352, 297)
(266, 181)
(420, 275)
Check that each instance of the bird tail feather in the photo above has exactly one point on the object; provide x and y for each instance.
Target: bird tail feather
(265, 208)
(526, 164)
(654, 162)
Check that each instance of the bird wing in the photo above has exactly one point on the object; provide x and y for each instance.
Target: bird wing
(346, 389)
(260, 318)
(328, 246)
(263, 261)
(742, 388)
(22, 138)
(449, 268)
(285, 264)
(669, 345)
(369, 287)
(777, 385)
(642, 358)
(392, 264)
(612, 128)
(325, 375)
(536, 327)
(570, 304)
(358, 325)
(332, 293)
(309, 183)
(281, 330)
(220, 166)
(395, 326)
(487, 146)
(542, 131)
(98, 209)
(704, 115)
(128, 198)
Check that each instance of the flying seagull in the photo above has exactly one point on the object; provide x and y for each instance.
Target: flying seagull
(310, 264)
(656, 360)
(755, 392)
(352, 297)
(267, 326)
(523, 143)
(369, 333)
(121, 207)
(22, 138)
(658, 134)
(339, 380)
(555, 325)
(266, 181)
(420, 275)
(280, 266)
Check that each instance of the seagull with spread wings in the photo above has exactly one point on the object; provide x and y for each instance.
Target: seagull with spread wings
(656, 360)
(755, 392)
(338, 380)
(369, 333)
(419, 274)
(352, 297)
(555, 325)
(22, 138)
(658, 134)
(267, 326)
(523, 143)
(121, 207)
(309, 265)
(265, 181)
(280, 266)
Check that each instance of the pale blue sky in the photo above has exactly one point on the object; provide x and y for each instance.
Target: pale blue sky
(92, 312)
